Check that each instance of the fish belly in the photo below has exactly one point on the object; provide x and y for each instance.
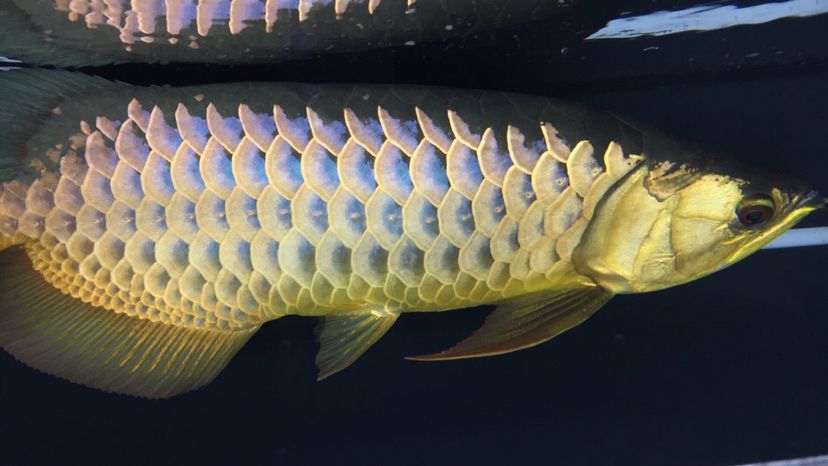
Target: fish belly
(224, 206)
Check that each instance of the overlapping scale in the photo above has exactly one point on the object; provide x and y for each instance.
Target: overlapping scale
(130, 145)
(227, 131)
(156, 179)
(488, 208)
(393, 173)
(293, 128)
(193, 129)
(222, 219)
(242, 214)
(456, 218)
(367, 132)
(475, 256)
(97, 191)
(91, 222)
(211, 215)
(530, 227)
(494, 163)
(384, 218)
(420, 221)
(518, 194)
(463, 132)
(216, 169)
(310, 214)
(264, 255)
(107, 127)
(147, 20)
(120, 220)
(162, 138)
(296, 253)
(234, 256)
(441, 260)
(582, 168)
(370, 260)
(248, 164)
(99, 156)
(346, 217)
(283, 167)
(525, 154)
(125, 185)
(181, 217)
(58, 223)
(186, 174)
(319, 170)
(428, 172)
(403, 133)
(274, 213)
(405, 261)
(432, 132)
(204, 255)
(549, 178)
(463, 170)
(333, 260)
(330, 133)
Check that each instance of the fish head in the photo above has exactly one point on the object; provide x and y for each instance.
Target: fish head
(678, 219)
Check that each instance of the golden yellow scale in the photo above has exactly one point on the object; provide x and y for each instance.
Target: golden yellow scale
(149, 232)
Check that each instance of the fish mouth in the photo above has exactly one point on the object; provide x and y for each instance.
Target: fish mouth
(811, 201)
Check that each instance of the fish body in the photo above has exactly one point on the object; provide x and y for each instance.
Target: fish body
(201, 213)
(84, 32)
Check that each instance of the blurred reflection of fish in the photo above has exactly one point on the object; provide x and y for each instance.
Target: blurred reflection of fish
(149, 232)
(90, 32)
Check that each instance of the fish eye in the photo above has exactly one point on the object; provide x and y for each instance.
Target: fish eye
(755, 210)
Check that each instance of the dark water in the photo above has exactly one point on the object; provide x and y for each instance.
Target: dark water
(730, 369)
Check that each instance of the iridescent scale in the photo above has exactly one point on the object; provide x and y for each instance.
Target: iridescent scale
(225, 221)
(147, 19)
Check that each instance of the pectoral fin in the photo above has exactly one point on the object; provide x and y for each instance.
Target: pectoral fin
(344, 338)
(525, 322)
(64, 336)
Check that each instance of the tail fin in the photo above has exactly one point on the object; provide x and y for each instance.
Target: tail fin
(27, 97)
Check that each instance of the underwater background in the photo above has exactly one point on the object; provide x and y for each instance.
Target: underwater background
(727, 370)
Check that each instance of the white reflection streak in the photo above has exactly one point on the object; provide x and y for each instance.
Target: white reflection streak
(707, 18)
(801, 237)
(812, 461)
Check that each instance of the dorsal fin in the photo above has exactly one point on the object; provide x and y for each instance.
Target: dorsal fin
(27, 97)
(526, 321)
(63, 336)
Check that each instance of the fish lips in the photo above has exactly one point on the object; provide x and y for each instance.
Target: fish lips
(811, 201)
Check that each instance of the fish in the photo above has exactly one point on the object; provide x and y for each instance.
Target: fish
(147, 233)
(94, 32)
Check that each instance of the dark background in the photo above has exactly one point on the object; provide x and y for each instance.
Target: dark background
(730, 369)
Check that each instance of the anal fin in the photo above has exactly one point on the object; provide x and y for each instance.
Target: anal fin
(344, 338)
(64, 336)
(525, 322)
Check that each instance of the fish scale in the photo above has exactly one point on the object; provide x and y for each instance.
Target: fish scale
(147, 233)
(82, 32)
(226, 220)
